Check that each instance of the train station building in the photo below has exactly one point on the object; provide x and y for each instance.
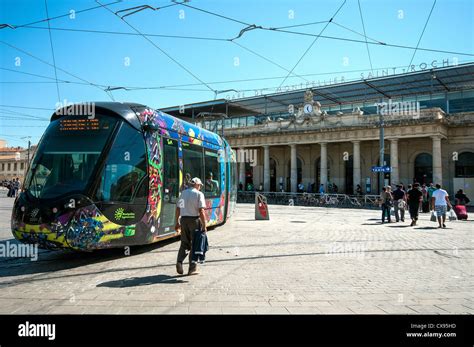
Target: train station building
(329, 134)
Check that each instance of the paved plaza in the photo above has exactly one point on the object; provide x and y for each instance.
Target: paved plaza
(303, 261)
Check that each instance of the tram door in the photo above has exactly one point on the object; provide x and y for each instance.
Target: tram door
(170, 185)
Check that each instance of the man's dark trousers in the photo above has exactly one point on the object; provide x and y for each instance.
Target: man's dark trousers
(188, 225)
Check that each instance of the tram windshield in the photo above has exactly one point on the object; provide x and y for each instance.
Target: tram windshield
(67, 156)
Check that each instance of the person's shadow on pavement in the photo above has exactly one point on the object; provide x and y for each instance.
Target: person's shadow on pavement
(142, 281)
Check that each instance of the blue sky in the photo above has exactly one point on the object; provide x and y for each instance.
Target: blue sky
(132, 61)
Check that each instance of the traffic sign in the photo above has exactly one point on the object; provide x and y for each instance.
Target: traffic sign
(381, 169)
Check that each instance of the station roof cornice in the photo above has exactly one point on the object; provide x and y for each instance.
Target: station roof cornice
(429, 81)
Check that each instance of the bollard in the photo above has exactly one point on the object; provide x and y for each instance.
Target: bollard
(261, 207)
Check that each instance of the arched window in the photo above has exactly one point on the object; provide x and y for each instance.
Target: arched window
(465, 165)
(423, 168)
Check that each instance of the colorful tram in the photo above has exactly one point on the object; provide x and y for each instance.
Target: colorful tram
(109, 175)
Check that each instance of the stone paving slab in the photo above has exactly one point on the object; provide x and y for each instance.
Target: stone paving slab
(303, 261)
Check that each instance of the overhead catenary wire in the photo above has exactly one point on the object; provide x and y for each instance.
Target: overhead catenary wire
(40, 76)
(280, 29)
(10, 112)
(276, 29)
(52, 51)
(216, 14)
(312, 43)
(57, 17)
(29, 108)
(372, 43)
(299, 25)
(358, 33)
(421, 36)
(45, 62)
(268, 60)
(365, 35)
(108, 32)
(160, 49)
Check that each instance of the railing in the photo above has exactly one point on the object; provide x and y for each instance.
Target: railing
(310, 199)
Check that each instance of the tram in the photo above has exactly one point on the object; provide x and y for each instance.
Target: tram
(109, 175)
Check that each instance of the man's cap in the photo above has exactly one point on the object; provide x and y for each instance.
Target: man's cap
(196, 180)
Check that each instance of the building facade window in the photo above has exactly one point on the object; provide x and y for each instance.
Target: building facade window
(465, 165)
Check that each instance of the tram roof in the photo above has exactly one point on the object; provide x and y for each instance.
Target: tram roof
(128, 111)
(430, 81)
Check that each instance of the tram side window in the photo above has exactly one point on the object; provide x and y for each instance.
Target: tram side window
(192, 161)
(212, 167)
(170, 177)
(123, 178)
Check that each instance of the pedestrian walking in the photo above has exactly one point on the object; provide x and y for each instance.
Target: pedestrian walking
(425, 205)
(190, 216)
(415, 196)
(386, 199)
(431, 189)
(461, 198)
(439, 203)
(16, 187)
(11, 188)
(399, 202)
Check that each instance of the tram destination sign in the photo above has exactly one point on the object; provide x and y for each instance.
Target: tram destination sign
(381, 169)
(79, 124)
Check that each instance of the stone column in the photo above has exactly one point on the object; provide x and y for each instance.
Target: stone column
(356, 163)
(266, 168)
(395, 174)
(324, 165)
(294, 169)
(437, 162)
(241, 167)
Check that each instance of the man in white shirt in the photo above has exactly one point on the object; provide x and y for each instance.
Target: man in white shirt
(440, 202)
(190, 208)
